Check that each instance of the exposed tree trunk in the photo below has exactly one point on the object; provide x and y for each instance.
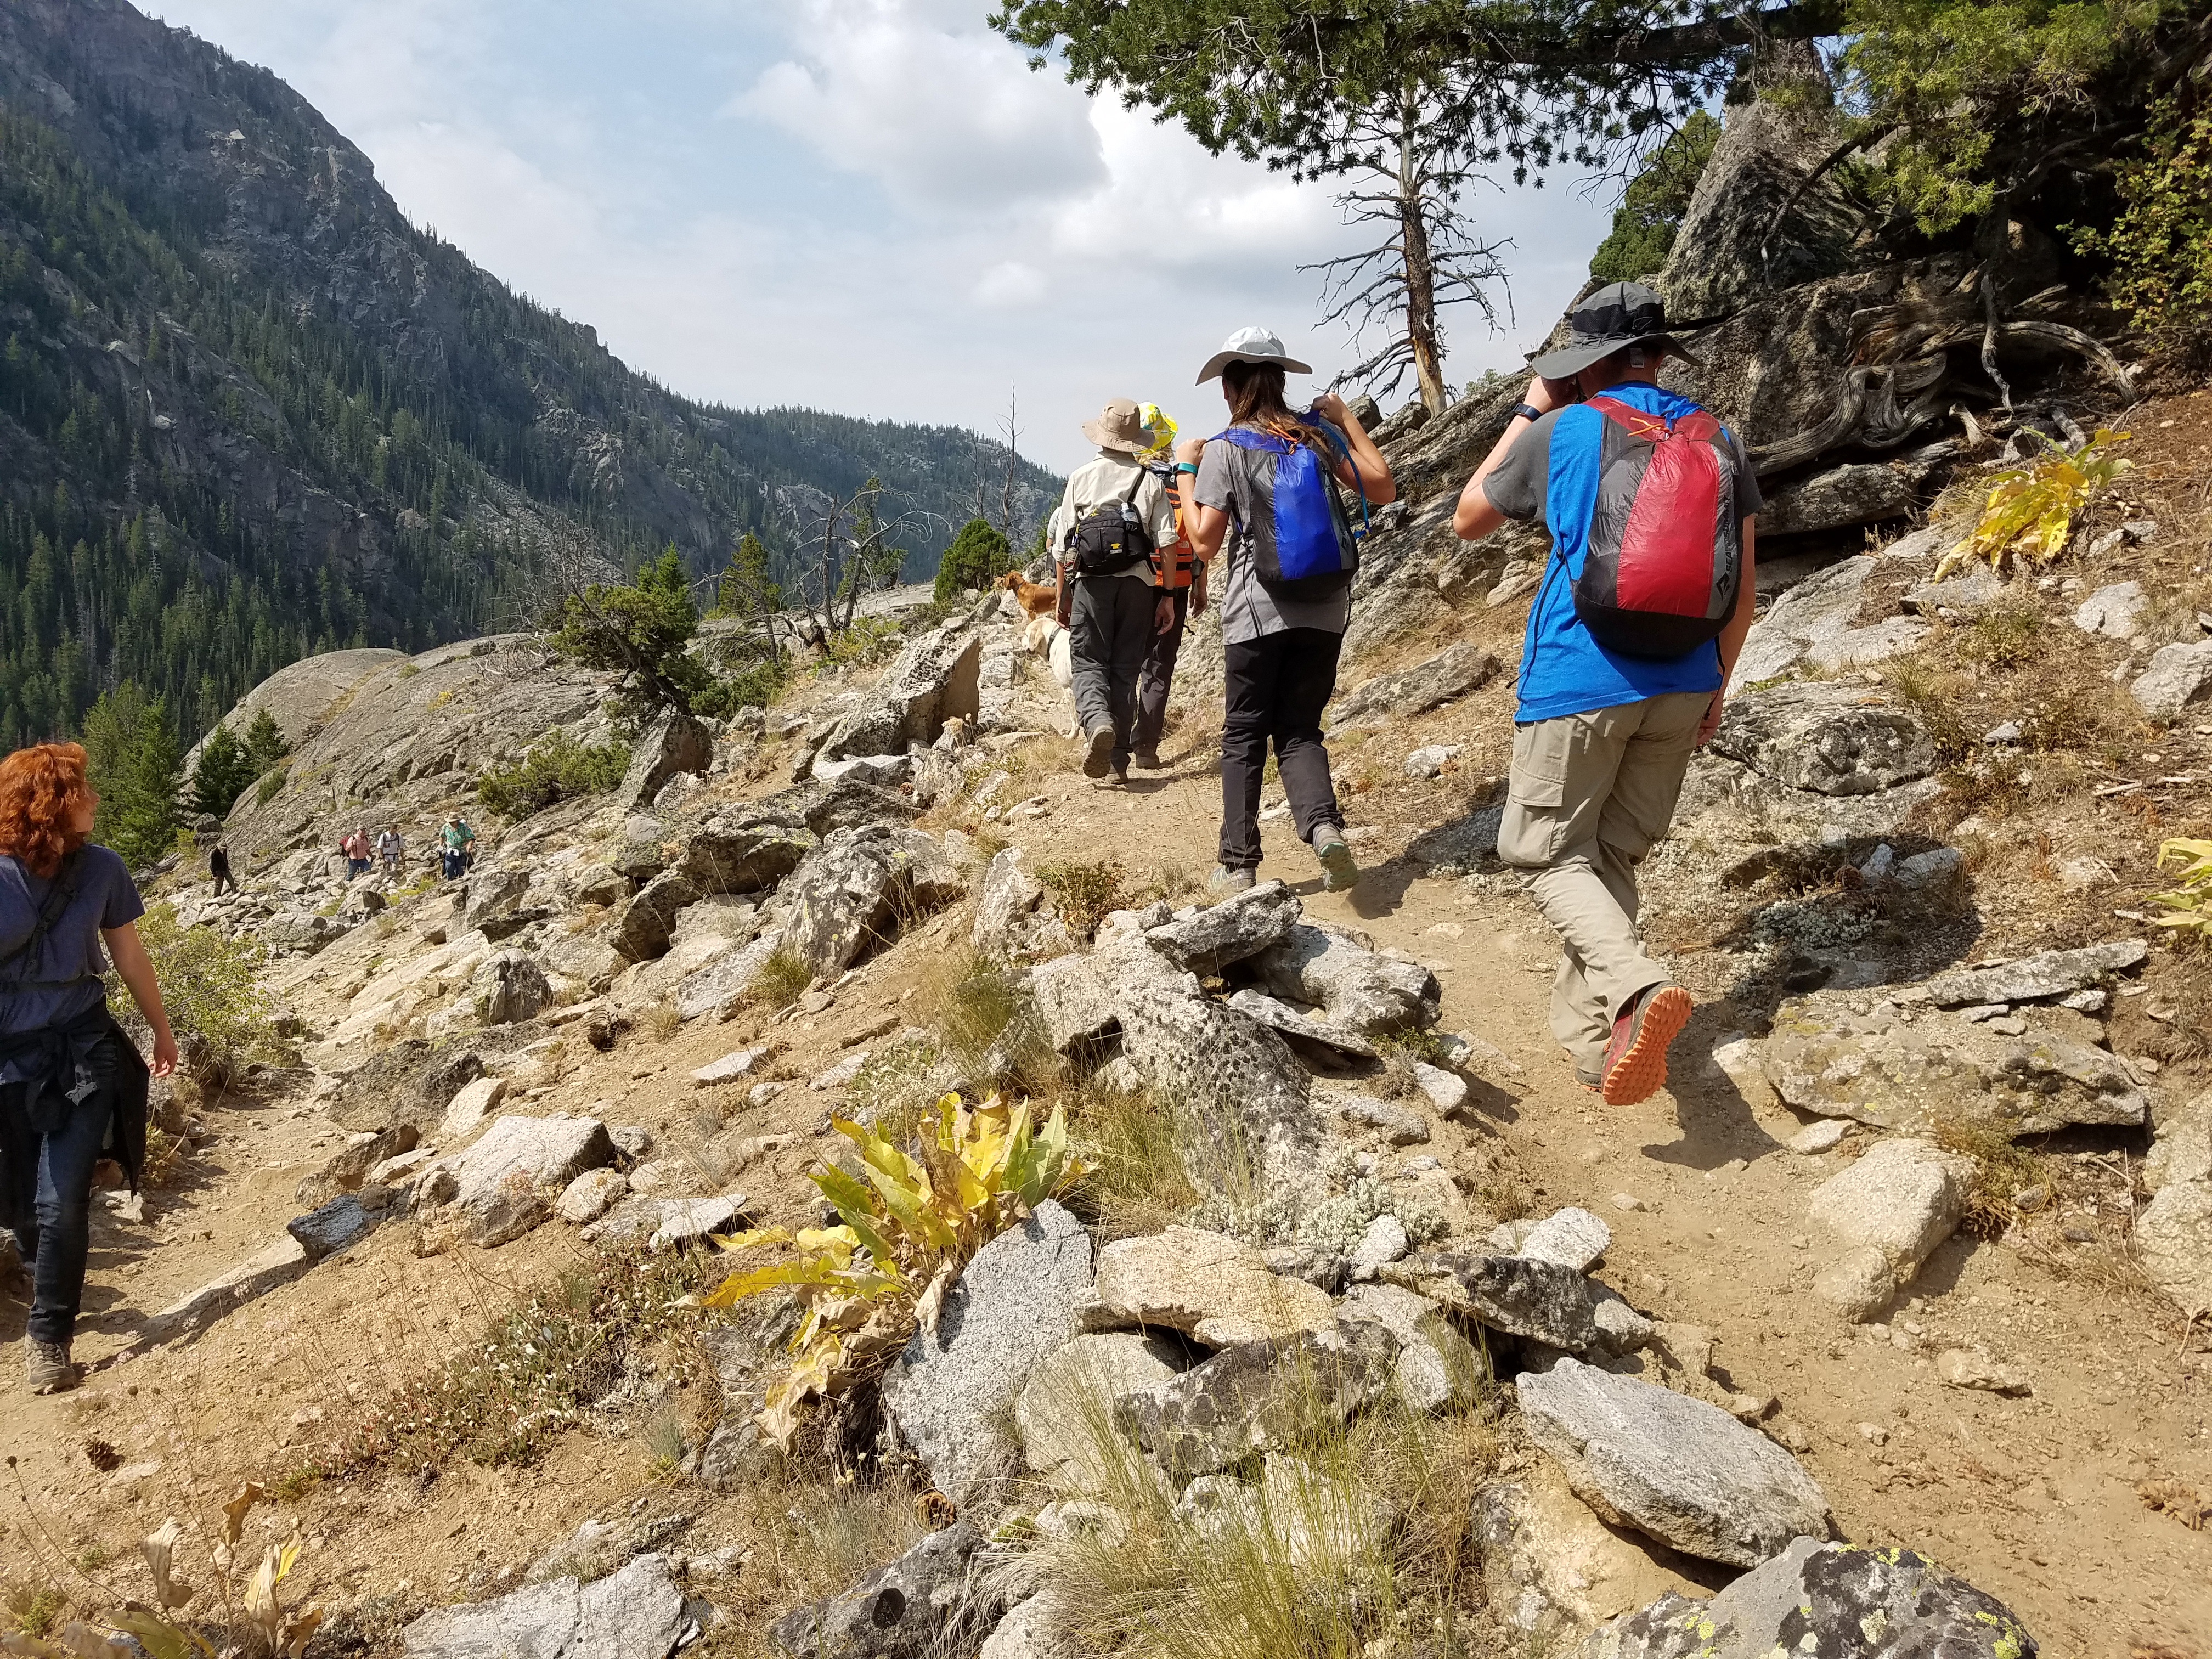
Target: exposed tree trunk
(1420, 273)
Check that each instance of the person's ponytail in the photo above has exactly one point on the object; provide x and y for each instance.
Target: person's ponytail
(1256, 399)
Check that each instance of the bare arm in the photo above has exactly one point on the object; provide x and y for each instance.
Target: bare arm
(1739, 625)
(1474, 517)
(126, 950)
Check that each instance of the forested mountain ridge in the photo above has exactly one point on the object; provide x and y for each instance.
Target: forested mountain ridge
(248, 412)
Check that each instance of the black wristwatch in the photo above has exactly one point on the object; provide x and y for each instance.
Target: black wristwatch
(1526, 413)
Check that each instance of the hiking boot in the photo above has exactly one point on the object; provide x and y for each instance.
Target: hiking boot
(1225, 881)
(1146, 760)
(49, 1369)
(1636, 1058)
(1100, 755)
(1338, 869)
(1593, 1081)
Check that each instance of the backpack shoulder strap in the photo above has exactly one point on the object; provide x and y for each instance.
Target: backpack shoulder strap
(59, 895)
(1650, 428)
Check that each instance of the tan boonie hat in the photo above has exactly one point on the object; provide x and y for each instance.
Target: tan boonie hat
(1120, 426)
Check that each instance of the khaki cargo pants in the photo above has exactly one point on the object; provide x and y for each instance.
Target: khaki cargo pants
(1590, 794)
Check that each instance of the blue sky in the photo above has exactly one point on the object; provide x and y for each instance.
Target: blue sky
(869, 206)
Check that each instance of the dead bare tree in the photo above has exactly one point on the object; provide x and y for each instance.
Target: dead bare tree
(853, 549)
(1012, 429)
(1416, 163)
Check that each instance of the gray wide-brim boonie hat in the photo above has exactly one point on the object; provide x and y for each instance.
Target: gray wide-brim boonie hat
(1618, 315)
(1251, 345)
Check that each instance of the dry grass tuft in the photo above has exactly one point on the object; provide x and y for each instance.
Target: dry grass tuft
(663, 1020)
(783, 978)
(2185, 1504)
(1350, 1535)
(2003, 1169)
(1140, 1185)
(1085, 892)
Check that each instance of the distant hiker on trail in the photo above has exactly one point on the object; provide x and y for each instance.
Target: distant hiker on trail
(1634, 630)
(391, 848)
(1110, 517)
(72, 1085)
(219, 868)
(356, 852)
(1286, 589)
(1182, 575)
(456, 843)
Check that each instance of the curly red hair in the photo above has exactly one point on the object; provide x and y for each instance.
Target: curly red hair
(42, 790)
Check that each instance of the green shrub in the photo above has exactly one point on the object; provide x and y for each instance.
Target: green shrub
(211, 990)
(756, 686)
(2160, 246)
(870, 639)
(266, 791)
(1652, 207)
(557, 768)
(979, 555)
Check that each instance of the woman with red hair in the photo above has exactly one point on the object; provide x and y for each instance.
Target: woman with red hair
(72, 1087)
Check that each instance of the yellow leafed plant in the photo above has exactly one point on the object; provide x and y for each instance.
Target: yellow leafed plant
(2030, 510)
(908, 1224)
(2189, 905)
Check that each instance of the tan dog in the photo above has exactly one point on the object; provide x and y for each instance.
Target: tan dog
(1036, 598)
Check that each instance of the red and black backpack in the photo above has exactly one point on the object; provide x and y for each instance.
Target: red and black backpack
(1665, 553)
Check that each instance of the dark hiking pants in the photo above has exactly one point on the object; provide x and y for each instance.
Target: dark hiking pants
(1158, 676)
(1110, 629)
(1277, 686)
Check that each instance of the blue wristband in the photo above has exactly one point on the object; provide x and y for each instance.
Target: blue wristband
(1185, 466)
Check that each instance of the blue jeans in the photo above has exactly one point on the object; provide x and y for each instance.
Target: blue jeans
(48, 1201)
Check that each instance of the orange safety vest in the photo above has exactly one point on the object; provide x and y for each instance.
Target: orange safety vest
(1171, 565)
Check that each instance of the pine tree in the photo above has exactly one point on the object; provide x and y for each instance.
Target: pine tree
(220, 777)
(265, 743)
(138, 769)
(979, 555)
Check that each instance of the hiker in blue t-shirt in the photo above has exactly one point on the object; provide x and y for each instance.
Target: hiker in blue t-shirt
(1606, 727)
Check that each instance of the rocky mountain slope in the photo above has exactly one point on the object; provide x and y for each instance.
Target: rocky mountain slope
(248, 412)
(1880, 1331)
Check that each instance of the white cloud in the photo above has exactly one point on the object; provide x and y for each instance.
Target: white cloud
(1011, 285)
(940, 115)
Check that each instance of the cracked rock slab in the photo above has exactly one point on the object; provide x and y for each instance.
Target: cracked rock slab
(1673, 1468)
(1818, 1599)
(2030, 979)
(1895, 1074)
(1537, 1299)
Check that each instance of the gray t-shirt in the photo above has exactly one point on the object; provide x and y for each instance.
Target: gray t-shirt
(59, 980)
(1521, 485)
(1241, 483)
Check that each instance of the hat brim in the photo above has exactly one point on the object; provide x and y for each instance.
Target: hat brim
(1573, 359)
(1105, 439)
(1221, 360)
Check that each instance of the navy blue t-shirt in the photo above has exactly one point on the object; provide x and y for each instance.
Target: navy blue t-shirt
(1552, 473)
(60, 981)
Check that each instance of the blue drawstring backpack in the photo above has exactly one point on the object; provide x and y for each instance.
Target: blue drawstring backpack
(1308, 551)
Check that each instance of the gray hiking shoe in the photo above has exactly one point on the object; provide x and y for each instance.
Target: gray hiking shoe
(49, 1370)
(1146, 760)
(1338, 871)
(1099, 755)
(1225, 881)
